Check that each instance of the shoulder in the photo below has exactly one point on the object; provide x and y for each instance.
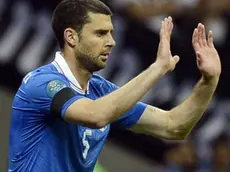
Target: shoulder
(102, 82)
(42, 75)
(44, 80)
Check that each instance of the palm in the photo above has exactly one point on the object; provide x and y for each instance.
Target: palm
(164, 55)
(208, 60)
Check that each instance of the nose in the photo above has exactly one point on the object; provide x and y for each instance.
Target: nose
(111, 42)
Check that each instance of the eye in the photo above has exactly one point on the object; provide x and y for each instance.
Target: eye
(112, 33)
(101, 33)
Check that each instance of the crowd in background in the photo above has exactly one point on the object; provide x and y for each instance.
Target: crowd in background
(140, 22)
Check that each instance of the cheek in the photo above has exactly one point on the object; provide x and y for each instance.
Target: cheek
(93, 47)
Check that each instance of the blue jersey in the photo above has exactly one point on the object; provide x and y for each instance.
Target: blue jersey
(42, 142)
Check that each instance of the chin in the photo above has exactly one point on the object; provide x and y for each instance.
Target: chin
(98, 67)
(101, 67)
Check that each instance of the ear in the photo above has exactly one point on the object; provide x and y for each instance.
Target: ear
(71, 37)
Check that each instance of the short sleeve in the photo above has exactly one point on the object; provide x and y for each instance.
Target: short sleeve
(132, 116)
(41, 88)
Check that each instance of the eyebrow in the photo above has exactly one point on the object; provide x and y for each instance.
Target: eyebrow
(104, 30)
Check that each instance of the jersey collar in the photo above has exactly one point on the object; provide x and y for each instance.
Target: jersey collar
(62, 67)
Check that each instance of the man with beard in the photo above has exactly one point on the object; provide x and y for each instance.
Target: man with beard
(62, 112)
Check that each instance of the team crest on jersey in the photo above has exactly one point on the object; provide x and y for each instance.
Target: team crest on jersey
(54, 87)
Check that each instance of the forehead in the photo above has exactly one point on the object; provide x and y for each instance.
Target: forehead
(99, 21)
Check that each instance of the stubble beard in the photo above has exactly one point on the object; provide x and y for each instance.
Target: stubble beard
(91, 63)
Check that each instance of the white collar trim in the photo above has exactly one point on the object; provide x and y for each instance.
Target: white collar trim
(62, 67)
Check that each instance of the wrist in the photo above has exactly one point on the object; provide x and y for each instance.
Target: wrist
(159, 68)
(211, 80)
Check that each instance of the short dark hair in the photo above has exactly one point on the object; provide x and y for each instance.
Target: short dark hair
(74, 14)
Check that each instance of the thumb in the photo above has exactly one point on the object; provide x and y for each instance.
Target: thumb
(198, 58)
(199, 55)
(176, 59)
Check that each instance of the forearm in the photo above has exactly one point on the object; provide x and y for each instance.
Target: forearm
(98, 113)
(120, 101)
(184, 117)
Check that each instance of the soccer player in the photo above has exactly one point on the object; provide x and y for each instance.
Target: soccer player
(62, 112)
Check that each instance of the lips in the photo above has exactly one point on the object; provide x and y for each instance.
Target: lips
(105, 54)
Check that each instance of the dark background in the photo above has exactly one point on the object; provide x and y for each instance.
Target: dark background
(137, 47)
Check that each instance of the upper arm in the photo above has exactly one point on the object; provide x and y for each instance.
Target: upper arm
(51, 95)
(75, 108)
(153, 121)
(40, 89)
(82, 112)
(131, 117)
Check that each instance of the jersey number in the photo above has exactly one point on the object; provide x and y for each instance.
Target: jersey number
(85, 142)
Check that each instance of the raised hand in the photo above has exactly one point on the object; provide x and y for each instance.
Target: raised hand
(164, 56)
(208, 60)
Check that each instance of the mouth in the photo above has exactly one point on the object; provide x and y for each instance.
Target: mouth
(105, 56)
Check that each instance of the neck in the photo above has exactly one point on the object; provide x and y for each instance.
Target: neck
(80, 73)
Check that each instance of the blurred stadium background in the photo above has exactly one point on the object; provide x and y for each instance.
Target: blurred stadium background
(26, 42)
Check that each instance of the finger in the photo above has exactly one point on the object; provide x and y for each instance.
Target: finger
(210, 39)
(199, 58)
(162, 30)
(176, 59)
(169, 20)
(200, 33)
(195, 42)
(167, 28)
(170, 26)
(204, 39)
